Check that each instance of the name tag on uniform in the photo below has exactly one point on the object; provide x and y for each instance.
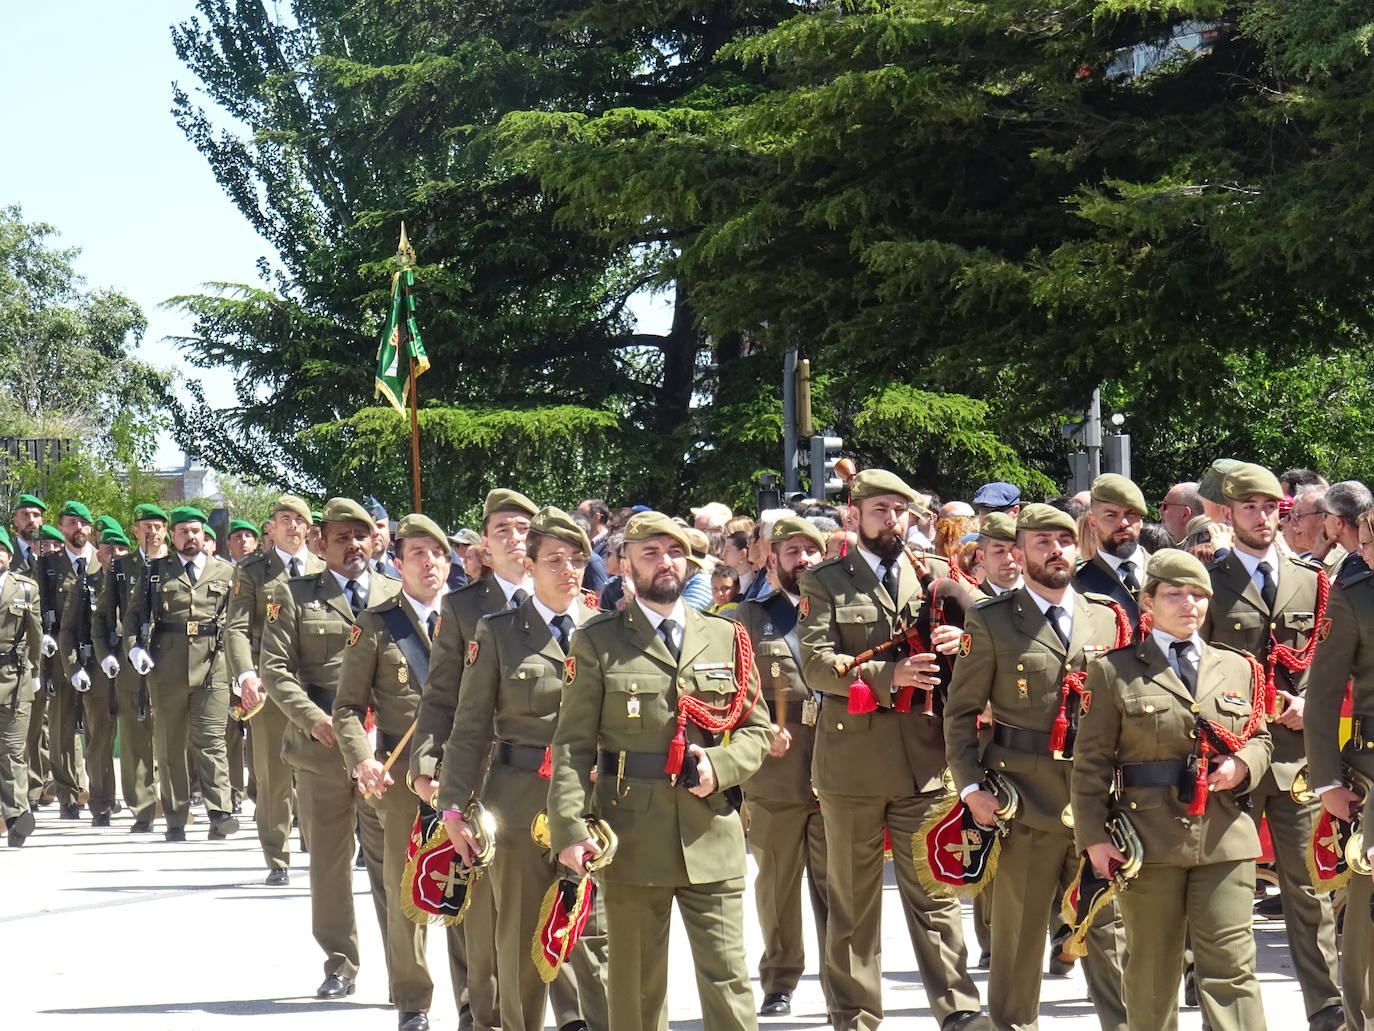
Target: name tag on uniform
(723, 674)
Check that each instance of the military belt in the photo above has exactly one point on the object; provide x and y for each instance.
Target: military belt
(1018, 740)
(191, 628)
(1167, 773)
(527, 757)
(321, 696)
(636, 765)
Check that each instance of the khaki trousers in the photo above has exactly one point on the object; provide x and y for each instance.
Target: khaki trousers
(36, 755)
(136, 768)
(191, 716)
(273, 803)
(100, 742)
(64, 744)
(1357, 955)
(787, 839)
(14, 773)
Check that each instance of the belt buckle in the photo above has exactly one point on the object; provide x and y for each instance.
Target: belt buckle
(192, 628)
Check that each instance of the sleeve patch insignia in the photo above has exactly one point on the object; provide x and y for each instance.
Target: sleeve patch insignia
(569, 670)
(965, 644)
(1086, 698)
(1324, 629)
(804, 609)
(273, 611)
(472, 652)
(354, 632)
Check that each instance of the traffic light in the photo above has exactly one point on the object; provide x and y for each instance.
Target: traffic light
(825, 452)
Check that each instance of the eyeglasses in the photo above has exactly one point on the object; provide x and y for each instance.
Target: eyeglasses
(553, 563)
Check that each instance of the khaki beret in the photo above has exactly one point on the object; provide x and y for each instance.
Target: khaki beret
(345, 510)
(1046, 517)
(1197, 524)
(1209, 487)
(1171, 566)
(872, 482)
(554, 522)
(644, 525)
(1115, 489)
(700, 543)
(795, 526)
(503, 500)
(1245, 480)
(465, 538)
(998, 526)
(291, 503)
(417, 525)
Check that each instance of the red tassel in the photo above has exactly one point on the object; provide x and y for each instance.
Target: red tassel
(1198, 805)
(369, 720)
(546, 767)
(861, 698)
(677, 751)
(903, 703)
(1059, 736)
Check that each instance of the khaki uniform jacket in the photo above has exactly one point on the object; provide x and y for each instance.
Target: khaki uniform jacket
(623, 696)
(116, 597)
(247, 608)
(375, 675)
(1238, 617)
(457, 627)
(1013, 658)
(21, 638)
(1140, 711)
(844, 612)
(303, 645)
(512, 691)
(63, 580)
(180, 656)
(71, 620)
(786, 778)
(1346, 655)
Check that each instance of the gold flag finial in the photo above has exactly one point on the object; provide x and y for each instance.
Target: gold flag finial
(405, 254)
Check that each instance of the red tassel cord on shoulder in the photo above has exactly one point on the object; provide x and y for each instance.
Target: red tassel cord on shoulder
(1074, 682)
(1214, 739)
(715, 719)
(1293, 660)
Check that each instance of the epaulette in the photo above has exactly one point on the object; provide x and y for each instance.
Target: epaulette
(23, 579)
(499, 615)
(995, 599)
(1305, 563)
(1230, 648)
(834, 560)
(255, 559)
(1098, 599)
(604, 616)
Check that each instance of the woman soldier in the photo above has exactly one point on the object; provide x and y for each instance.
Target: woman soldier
(511, 692)
(1173, 734)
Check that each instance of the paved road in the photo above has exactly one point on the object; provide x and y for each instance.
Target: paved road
(150, 936)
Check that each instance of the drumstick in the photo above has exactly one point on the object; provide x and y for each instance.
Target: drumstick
(395, 754)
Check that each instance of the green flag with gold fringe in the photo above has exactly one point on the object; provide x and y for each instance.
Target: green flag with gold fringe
(401, 336)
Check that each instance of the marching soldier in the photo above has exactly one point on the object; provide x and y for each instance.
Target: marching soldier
(786, 832)
(1116, 513)
(1023, 652)
(287, 558)
(113, 634)
(243, 541)
(1271, 604)
(384, 667)
(878, 762)
(308, 621)
(27, 520)
(512, 691)
(650, 689)
(21, 630)
(1177, 726)
(179, 608)
(506, 518)
(76, 644)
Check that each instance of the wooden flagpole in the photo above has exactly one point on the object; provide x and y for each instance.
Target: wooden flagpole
(415, 434)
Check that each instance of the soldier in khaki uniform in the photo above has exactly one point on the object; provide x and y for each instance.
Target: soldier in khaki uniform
(1116, 514)
(512, 691)
(182, 600)
(786, 832)
(308, 621)
(383, 670)
(288, 557)
(27, 522)
(506, 518)
(1016, 652)
(1262, 597)
(1158, 713)
(879, 768)
(113, 634)
(633, 677)
(20, 643)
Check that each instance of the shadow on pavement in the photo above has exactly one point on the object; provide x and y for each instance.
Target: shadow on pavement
(223, 1007)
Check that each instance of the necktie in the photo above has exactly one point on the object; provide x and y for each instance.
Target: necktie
(887, 574)
(561, 625)
(518, 597)
(1053, 613)
(293, 568)
(431, 621)
(1268, 589)
(1187, 668)
(1127, 573)
(190, 572)
(355, 595)
(667, 630)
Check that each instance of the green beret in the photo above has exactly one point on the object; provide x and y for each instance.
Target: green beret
(77, 509)
(236, 525)
(644, 525)
(465, 538)
(30, 501)
(150, 511)
(554, 522)
(108, 523)
(1115, 489)
(1245, 480)
(795, 526)
(50, 532)
(5, 540)
(291, 503)
(872, 482)
(188, 514)
(210, 532)
(503, 500)
(998, 526)
(115, 537)
(417, 525)
(1046, 517)
(345, 510)
(1171, 566)
(1209, 487)
(316, 515)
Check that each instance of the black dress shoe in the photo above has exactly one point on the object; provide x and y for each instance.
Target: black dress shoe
(966, 1021)
(69, 811)
(1331, 1018)
(18, 828)
(100, 820)
(414, 1022)
(776, 1004)
(984, 961)
(335, 986)
(277, 877)
(1270, 906)
(575, 1025)
(175, 834)
(1189, 987)
(222, 825)
(141, 827)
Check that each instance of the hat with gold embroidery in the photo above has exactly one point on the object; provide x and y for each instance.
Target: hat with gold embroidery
(554, 522)
(1209, 487)
(417, 525)
(1171, 566)
(998, 526)
(1040, 516)
(795, 526)
(503, 499)
(149, 511)
(872, 482)
(1115, 489)
(292, 503)
(1244, 481)
(645, 525)
(345, 510)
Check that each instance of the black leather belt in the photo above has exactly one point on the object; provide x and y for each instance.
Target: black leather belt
(1019, 740)
(322, 697)
(1167, 773)
(641, 765)
(190, 628)
(389, 742)
(522, 757)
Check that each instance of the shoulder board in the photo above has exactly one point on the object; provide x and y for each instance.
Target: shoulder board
(1305, 563)
(995, 599)
(1124, 648)
(829, 563)
(1097, 599)
(1230, 648)
(499, 619)
(475, 585)
(22, 579)
(604, 616)
(1217, 563)
(255, 559)
(386, 576)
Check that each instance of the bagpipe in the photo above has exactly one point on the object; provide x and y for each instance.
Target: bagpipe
(569, 901)
(435, 885)
(955, 855)
(1089, 891)
(1337, 848)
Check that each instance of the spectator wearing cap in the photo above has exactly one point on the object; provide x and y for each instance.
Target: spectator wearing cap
(696, 592)
(998, 496)
(460, 543)
(1117, 569)
(1180, 504)
(711, 516)
(1342, 505)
